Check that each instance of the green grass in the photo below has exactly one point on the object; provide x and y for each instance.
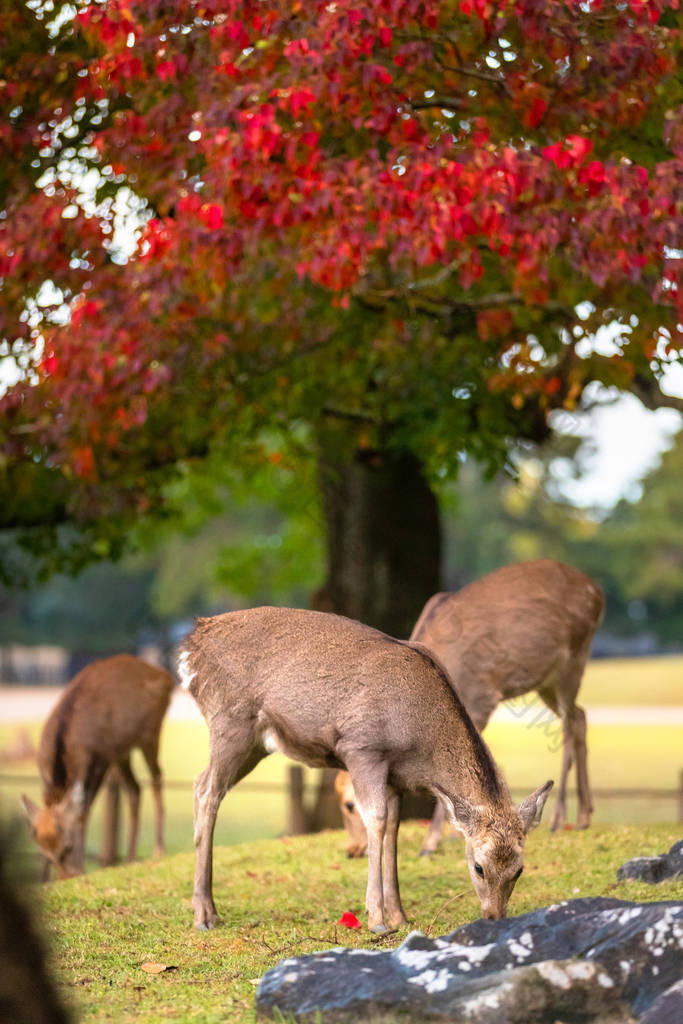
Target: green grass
(636, 681)
(282, 898)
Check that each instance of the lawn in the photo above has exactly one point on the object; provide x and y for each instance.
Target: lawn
(650, 682)
(282, 898)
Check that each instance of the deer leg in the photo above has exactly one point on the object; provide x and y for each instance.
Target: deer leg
(96, 770)
(585, 810)
(560, 815)
(133, 789)
(393, 909)
(433, 835)
(549, 697)
(151, 756)
(233, 755)
(371, 800)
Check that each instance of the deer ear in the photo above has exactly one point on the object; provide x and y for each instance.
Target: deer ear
(31, 810)
(531, 809)
(460, 812)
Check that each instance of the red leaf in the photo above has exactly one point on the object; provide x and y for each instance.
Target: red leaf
(349, 920)
(166, 69)
(578, 147)
(535, 114)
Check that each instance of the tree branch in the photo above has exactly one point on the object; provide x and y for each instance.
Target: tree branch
(443, 305)
(652, 397)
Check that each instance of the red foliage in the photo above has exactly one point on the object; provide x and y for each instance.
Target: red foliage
(529, 150)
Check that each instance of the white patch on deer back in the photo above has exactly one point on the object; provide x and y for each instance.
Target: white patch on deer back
(186, 676)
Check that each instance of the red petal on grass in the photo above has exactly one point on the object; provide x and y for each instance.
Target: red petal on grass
(349, 920)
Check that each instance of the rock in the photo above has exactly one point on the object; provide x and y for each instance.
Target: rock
(654, 869)
(668, 1009)
(579, 961)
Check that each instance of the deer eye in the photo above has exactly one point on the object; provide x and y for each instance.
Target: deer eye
(479, 869)
(349, 807)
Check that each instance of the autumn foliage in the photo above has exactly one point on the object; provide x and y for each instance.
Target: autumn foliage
(413, 210)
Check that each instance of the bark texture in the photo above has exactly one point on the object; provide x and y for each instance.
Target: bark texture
(383, 536)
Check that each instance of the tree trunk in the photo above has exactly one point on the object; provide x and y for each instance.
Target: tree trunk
(383, 536)
(383, 554)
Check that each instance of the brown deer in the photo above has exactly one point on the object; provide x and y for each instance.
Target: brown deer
(527, 626)
(329, 691)
(111, 707)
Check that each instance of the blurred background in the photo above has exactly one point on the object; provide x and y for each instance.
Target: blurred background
(260, 540)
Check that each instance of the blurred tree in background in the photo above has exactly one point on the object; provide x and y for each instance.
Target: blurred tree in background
(373, 239)
(263, 542)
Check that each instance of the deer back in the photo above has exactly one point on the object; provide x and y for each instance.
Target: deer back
(109, 707)
(320, 687)
(517, 629)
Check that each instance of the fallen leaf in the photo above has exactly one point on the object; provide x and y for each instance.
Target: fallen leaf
(349, 920)
(152, 968)
(254, 981)
(335, 867)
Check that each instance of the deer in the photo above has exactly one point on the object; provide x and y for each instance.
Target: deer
(331, 692)
(109, 708)
(527, 626)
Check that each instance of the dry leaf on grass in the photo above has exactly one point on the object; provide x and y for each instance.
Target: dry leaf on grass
(152, 968)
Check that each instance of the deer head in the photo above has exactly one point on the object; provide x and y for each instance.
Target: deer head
(494, 845)
(56, 829)
(346, 798)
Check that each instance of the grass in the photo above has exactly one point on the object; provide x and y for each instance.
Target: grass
(654, 682)
(282, 898)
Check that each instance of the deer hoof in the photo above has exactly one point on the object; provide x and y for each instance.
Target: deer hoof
(209, 925)
(427, 853)
(379, 929)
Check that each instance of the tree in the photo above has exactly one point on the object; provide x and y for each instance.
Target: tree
(391, 226)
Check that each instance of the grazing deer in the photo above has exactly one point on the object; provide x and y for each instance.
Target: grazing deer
(329, 691)
(527, 626)
(111, 707)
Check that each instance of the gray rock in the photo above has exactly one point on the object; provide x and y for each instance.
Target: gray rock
(654, 869)
(668, 1009)
(516, 971)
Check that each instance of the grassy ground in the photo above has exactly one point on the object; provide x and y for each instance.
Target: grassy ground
(633, 681)
(282, 898)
